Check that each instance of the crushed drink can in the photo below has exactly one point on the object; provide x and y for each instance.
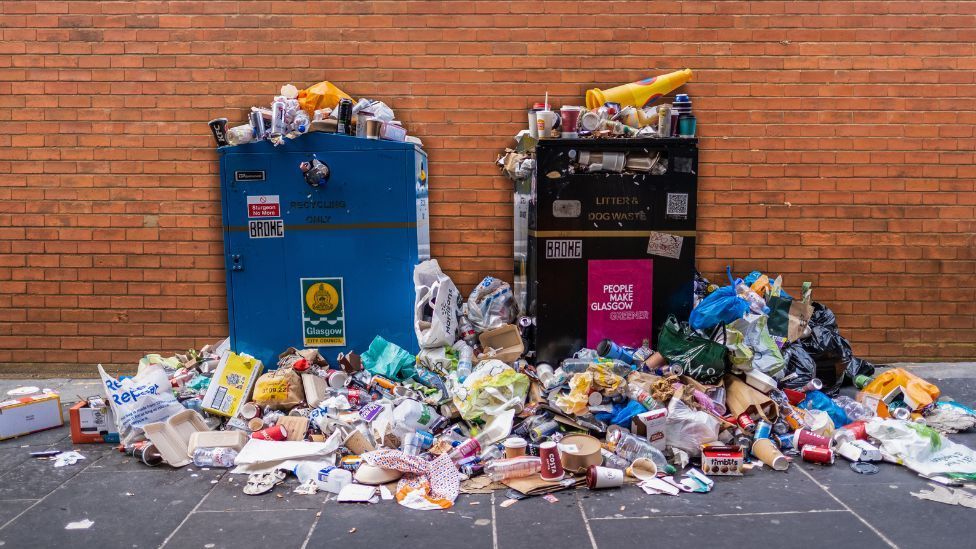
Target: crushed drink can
(763, 429)
(785, 441)
(816, 454)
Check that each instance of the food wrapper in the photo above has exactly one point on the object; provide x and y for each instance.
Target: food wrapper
(493, 388)
(324, 95)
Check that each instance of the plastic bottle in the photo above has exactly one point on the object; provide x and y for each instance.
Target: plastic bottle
(640, 395)
(214, 457)
(607, 348)
(466, 331)
(503, 469)
(631, 447)
(575, 365)
(756, 303)
(465, 358)
(301, 122)
(855, 410)
(411, 415)
(466, 450)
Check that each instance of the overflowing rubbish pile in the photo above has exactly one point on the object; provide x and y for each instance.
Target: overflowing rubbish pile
(322, 107)
(745, 383)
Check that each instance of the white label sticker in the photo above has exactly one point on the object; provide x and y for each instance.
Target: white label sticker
(266, 228)
(564, 249)
(566, 208)
(665, 245)
(264, 205)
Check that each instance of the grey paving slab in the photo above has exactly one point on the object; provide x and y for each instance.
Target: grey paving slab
(11, 508)
(387, 524)
(158, 503)
(227, 495)
(906, 520)
(768, 491)
(40, 438)
(11, 458)
(801, 530)
(280, 529)
(34, 478)
(535, 520)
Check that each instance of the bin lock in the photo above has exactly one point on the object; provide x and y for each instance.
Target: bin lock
(315, 171)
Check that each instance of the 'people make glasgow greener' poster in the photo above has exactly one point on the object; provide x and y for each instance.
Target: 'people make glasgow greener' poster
(323, 319)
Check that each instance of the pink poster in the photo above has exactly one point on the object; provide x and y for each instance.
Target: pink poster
(619, 301)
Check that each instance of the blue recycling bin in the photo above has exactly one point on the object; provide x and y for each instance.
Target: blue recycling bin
(327, 266)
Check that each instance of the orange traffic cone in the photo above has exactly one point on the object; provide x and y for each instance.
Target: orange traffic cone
(639, 94)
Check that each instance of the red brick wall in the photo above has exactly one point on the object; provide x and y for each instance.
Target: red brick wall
(837, 146)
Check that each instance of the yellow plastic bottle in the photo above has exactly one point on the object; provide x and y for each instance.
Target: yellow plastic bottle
(642, 93)
(915, 391)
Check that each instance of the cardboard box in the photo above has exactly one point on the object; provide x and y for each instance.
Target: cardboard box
(30, 414)
(722, 460)
(92, 423)
(650, 425)
(506, 342)
(232, 384)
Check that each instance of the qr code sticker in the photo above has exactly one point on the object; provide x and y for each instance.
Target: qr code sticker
(677, 206)
(665, 245)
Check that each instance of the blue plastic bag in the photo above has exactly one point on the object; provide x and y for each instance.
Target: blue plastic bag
(817, 400)
(719, 307)
(621, 414)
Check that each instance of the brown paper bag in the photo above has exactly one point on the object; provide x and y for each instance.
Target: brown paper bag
(740, 399)
(280, 389)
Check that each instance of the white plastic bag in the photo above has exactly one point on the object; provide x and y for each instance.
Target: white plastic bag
(756, 350)
(687, 429)
(492, 389)
(922, 449)
(135, 401)
(491, 304)
(437, 304)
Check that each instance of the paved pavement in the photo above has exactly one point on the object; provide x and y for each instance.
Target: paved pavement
(135, 506)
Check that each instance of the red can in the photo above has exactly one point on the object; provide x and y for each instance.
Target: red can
(276, 432)
(806, 437)
(815, 454)
(746, 422)
(552, 465)
(857, 429)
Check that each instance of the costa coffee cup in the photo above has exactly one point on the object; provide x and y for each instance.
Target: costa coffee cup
(277, 432)
(569, 120)
(603, 477)
(766, 451)
(642, 469)
(806, 437)
(515, 447)
(552, 466)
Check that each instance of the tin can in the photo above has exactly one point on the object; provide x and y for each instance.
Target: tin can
(743, 441)
(277, 432)
(250, 410)
(257, 124)
(746, 422)
(815, 454)
(780, 427)
(467, 449)
(552, 465)
(763, 429)
(337, 379)
(785, 441)
(543, 430)
(344, 116)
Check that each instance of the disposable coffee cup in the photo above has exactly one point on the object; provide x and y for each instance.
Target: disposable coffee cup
(766, 451)
(219, 128)
(603, 477)
(373, 128)
(250, 410)
(337, 379)
(614, 161)
(642, 469)
(569, 121)
(255, 424)
(533, 123)
(545, 122)
(514, 447)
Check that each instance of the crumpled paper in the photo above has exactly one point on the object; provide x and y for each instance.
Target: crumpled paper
(67, 458)
(425, 485)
